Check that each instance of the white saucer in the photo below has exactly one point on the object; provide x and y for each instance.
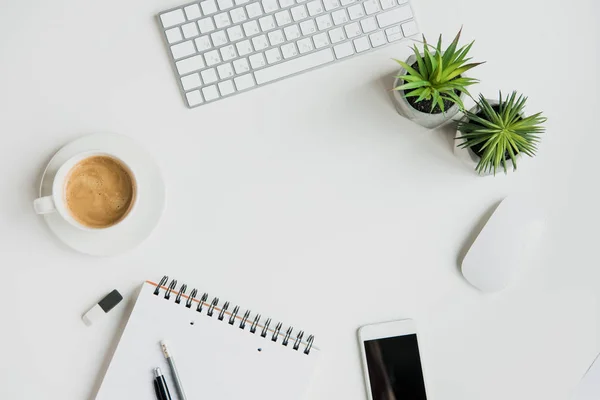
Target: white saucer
(143, 219)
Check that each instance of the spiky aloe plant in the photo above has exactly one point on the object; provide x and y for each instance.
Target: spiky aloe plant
(498, 133)
(437, 75)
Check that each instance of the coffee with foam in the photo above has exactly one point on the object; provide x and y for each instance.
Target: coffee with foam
(99, 192)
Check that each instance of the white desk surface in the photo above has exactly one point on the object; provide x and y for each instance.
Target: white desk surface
(310, 199)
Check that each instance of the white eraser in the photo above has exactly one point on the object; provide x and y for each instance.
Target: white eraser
(93, 315)
(104, 306)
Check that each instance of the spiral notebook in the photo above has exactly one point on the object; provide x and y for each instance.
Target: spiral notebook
(222, 352)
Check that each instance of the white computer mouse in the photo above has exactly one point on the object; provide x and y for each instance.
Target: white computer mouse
(504, 245)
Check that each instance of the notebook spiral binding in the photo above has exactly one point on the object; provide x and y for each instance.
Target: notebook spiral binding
(210, 306)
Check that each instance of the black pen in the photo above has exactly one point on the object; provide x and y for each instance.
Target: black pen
(160, 386)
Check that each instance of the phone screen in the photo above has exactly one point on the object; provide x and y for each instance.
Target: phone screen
(394, 366)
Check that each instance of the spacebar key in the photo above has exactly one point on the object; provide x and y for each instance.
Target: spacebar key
(294, 66)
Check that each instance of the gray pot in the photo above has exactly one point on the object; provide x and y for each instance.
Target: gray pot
(468, 156)
(424, 119)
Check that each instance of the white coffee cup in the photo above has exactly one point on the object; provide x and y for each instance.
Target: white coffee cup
(56, 202)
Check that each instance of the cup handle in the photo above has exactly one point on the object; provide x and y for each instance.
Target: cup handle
(44, 205)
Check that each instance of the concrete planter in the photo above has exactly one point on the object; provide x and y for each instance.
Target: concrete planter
(426, 120)
(468, 156)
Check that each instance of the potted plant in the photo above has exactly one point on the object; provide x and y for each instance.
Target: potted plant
(430, 86)
(495, 134)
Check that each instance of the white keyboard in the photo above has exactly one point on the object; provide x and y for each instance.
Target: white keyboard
(223, 47)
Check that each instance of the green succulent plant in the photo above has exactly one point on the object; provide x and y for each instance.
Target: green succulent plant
(498, 133)
(437, 75)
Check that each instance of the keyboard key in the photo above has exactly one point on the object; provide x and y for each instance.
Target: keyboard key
(276, 37)
(286, 3)
(352, 30)
(254, 10)
(394, 33)
(225, 4)
(209, 75)
(289, 50)
(228, 53)
(194, 98)
(362, 44)
(260, 42)
(208, 7)
(257, 60)
(190, 30)
(368, 25)
(273, 55)
(225, 71)
(324, 22)
(336, 35)
(210, 93)
(394, 16)
(331, 4)
(183, 49)
(235, 33)
(377, 39)
(410, 28)
(237, 15)
(299, 13)
(283, 18)
(308, 27)
(321, 40)
(385, 4)
(241, 66)
(371, 6)
(346, 2)
(356, 12)
(270, 6)
(203, 43)
(292, 32)
(191, 81)
(190, 64)
(343, 50)
(219, 38)
(251, 28)
(339, 17)
(206, 25)
(212, 57)
(244, 47)
(244, 82)
(240, 2)
(226, 88)
(294, 66)
(174, 35)
(172, 18)
(192, 12)
(267, 23)
(222, 20)
(314, 7)
(305, 45)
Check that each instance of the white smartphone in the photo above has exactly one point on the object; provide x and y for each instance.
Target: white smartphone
(392, 361)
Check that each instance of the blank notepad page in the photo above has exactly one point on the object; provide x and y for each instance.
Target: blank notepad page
(217, 359)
